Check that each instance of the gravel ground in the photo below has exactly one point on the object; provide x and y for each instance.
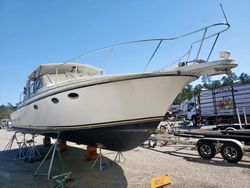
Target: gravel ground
(181, 162)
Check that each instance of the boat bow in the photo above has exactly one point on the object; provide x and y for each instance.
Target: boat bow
(202, 68)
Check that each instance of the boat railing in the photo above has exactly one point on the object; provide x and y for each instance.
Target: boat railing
(21, 97)
(184, 58)
(193, 51)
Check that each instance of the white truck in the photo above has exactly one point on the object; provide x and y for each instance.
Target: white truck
(220, 106)
(5, 123)
(188, 108)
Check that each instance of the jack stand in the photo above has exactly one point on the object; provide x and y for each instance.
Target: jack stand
(22, 149)
(100, 158)
(10, 143)
(54, 148)
(61, 179)
(46, 141)
(119, 157)
(32, 152)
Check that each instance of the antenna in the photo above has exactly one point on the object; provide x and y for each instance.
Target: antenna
(223, 13)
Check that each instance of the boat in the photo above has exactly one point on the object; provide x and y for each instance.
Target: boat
(118, 111)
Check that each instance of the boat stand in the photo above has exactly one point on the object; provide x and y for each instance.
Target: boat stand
(119, 157)
(10, 143)
(61, 180)
(54, 149)
(32, 152)
(22, 148)
(102, 160)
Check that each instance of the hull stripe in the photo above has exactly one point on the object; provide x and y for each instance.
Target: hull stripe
(86, 126)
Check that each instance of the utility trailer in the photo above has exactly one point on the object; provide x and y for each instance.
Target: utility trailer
(225, 107)
(231, 144)
(166, 139)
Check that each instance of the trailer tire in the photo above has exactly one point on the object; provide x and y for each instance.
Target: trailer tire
(231, 152)
(206, 149)
(194, 121)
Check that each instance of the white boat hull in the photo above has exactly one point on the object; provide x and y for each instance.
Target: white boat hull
(104, 104)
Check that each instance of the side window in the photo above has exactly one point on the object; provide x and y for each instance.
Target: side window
(32, 88)
(38, 83)
(35, 85)
(190, 107)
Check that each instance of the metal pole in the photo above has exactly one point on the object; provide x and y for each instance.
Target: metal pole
(10, 143)
(238, 114)
(213, 46)
(109, 59)
(223, 13)
(116, 156)
(77, 62)
(56, 74)
(215, 109)
(234, 103)
(100, 158)
(52, 147)
(201, 44)
(33, 146)
(52, 158)
(245, 117)
(152, 55)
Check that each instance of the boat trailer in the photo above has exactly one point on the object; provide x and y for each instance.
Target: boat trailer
(231, 144)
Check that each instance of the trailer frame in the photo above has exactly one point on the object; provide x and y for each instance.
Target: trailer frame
(232, 145)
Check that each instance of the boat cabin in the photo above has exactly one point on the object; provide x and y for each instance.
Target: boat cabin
(50, 74)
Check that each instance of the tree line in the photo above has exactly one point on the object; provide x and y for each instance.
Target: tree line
(207, 83)
(5, 111)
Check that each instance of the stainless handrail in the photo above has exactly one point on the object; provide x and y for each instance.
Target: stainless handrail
(160, 40)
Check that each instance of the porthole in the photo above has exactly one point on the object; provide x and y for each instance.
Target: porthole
(55, 100)
(73, 95)
(35, 107)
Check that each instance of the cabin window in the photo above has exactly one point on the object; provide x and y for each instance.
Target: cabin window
(35, 107)
(55, 100)
(190, 107)
(73, 95)
(35, 85)
(31, 88)
(38, 83)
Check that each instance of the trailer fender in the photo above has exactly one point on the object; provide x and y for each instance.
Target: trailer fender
(230, 129)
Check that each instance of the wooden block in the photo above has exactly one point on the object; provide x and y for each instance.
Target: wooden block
(160, 181)
(62, 145)
(91, 153)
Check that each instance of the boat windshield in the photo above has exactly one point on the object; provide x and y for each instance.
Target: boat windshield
(35, 85)
(47, 75)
